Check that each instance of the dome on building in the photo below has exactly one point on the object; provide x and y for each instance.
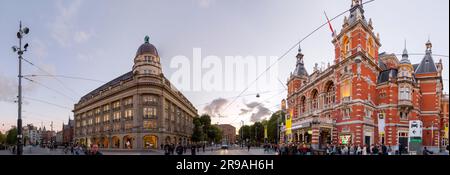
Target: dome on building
(147, 48)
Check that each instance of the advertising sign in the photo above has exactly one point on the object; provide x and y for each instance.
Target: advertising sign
(415, 128)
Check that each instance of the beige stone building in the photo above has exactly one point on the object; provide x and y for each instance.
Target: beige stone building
(139, 110)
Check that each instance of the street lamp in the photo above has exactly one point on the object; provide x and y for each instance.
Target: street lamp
(18, 49)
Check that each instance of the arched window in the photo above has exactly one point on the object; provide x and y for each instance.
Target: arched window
(346, 45)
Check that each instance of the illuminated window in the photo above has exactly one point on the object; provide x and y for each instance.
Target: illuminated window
(346, 89)
(346, 47)
(149, 124)
(346, 113)
(116, 116)
(129, 114)
(149, 98)
(106, 108)
(149, 112)
(106, 118)
(116, 105)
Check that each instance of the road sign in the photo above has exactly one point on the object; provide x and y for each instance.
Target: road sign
(415, 128)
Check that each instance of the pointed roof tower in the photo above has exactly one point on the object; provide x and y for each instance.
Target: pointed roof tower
(405, 56)
(427, 64)
(300, 67)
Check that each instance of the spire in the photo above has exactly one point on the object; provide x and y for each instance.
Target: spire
(427, 64)
(428, 45)
(405, 56)
(300, 67)
(357, 12)
(300, 55)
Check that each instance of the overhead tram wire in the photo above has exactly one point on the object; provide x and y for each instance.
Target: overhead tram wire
(263, 102)
(51, 75)
(49, 88)
(46, 102)
(246, 95)
(68, 77)
(287, 52)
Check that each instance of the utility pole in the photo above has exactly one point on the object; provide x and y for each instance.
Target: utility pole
(20, 51)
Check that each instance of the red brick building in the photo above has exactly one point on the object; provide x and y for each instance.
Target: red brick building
(228, 133)
(68, 132)
(366, 97)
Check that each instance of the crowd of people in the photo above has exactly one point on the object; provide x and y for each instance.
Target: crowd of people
(179, 149)
(332, 149)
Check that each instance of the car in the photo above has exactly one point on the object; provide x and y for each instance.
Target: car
(224, 146)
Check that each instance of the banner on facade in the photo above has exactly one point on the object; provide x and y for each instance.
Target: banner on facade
(265, 131)
(446, 132)
(289, 123)
(415, 128)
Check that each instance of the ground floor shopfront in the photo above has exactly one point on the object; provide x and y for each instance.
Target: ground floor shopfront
(134, 141)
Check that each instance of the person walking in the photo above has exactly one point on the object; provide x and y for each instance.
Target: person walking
(94, 150)
(426, 151)
(364, 150)
(384, 149)
(166, 149)
(179, 149)
(193, 147)
(248, 147)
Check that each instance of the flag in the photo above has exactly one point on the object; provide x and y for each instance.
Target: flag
(329, 24)
(265, 131)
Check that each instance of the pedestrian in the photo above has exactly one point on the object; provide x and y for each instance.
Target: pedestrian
(204, 147)
(94, 150)
(193, 149)
(389, 150)
(71, 149)
(352, 150)
(384, 149)
(426, 151)
(179, 149)
(166, 149)
(359, 150)
(248, 147)
(364, 150)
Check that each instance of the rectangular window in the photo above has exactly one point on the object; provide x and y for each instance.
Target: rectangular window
(149, 124)
(116, 116)
(150, 99)
(346, 113)
(346, 89)
(368, 113)
(116, 105)
(149, 112)
(106, 118)
(105, 108)
(128, 102)
(129, 114)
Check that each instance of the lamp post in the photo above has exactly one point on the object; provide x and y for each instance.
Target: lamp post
(20, 34)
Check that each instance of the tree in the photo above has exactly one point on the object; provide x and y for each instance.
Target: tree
(214, 134)
(197, 134)
(255, 133)
(2, 138)
(11, 138)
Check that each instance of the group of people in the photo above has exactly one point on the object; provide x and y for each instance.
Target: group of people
(79, 149)
(352, 149)
(171, 149)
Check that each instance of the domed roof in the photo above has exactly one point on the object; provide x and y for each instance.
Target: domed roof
(147, 48)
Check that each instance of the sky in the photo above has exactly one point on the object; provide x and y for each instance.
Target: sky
(98, 40)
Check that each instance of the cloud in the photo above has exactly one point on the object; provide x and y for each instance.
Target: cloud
(214, 108)
(260, 111)
(81, 36)
(64, 29)
(8, 89)
(205, 3)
